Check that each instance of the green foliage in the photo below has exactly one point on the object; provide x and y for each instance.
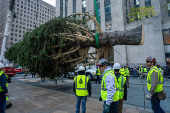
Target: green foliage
(166, 6)
(141, 13)
(35, 51)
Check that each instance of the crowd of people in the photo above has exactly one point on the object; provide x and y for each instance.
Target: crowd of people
(165, 70)
(114, 84)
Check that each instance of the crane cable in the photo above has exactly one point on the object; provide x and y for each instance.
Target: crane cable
(98, 45)
(137, 71)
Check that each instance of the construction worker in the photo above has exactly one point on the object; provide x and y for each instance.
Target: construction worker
(122, 86)
(122, 70)
(141, 70)
(3, 89)
(127, 75)
(155, 85)
(82, 88)
(97, 75)
(145, 70)
(109, 88)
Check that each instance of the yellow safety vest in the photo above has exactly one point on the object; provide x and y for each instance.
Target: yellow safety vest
(159, 86)
(121, 83)
(6, 83)
(81, 85)
(126, 72)
(104, 89)
(98, 72)
(122, 71)
(145, 70)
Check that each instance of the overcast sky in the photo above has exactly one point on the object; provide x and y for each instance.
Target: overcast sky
(52, 2)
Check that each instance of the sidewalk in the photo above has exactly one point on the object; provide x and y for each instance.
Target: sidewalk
(32, 99)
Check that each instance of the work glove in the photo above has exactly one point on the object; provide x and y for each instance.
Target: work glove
(100, 98)
(148, 96)
(106, 108)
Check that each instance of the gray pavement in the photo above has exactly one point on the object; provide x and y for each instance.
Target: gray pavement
(30, 95)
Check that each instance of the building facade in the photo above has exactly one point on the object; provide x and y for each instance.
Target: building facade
(29, 15)
(113, 16)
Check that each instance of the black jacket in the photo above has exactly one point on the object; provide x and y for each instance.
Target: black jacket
(88, 84)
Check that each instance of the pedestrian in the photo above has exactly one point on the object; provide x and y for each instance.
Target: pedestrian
(122, 86)
(127, 75)
(131, 72)
(155, 85)
(167, 74)
(97, 75)
(3, 89)
(81, 88)
(109, 88)
(135, 71)
(33, 74)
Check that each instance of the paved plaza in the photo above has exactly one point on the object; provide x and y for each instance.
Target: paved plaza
(31, 95)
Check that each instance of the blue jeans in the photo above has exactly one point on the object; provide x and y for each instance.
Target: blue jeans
(155, 103)
(84, 99)
(113, 107)
(2, 103)
(98, 78)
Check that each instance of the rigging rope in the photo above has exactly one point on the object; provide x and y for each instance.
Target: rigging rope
(137, 71)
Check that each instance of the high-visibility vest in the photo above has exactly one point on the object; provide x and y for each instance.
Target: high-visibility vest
(162, 72)
(159, 86)
(122, 71)
(6, 83)
(121, 83)
(98, 72)
(104, 89)
(145, 70)
(81, 85)
(126, 72)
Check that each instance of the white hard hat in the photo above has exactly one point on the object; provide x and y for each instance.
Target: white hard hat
(81, 68)
(116, 66)
(1, 65)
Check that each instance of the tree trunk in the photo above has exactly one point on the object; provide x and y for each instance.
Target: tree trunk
(131, 37)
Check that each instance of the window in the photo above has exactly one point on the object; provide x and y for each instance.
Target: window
(166, 36)
(168, 5)
(11, 43)
(61, 8)
(108, 19)
(15, 39)
(136, 3)
(74, 6)
(147, 3)
(98, 7)
(126, 8)
(11, 38)
(66, 3)
(83, 6)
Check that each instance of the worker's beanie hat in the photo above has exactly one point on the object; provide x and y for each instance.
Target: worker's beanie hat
(1, 65)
